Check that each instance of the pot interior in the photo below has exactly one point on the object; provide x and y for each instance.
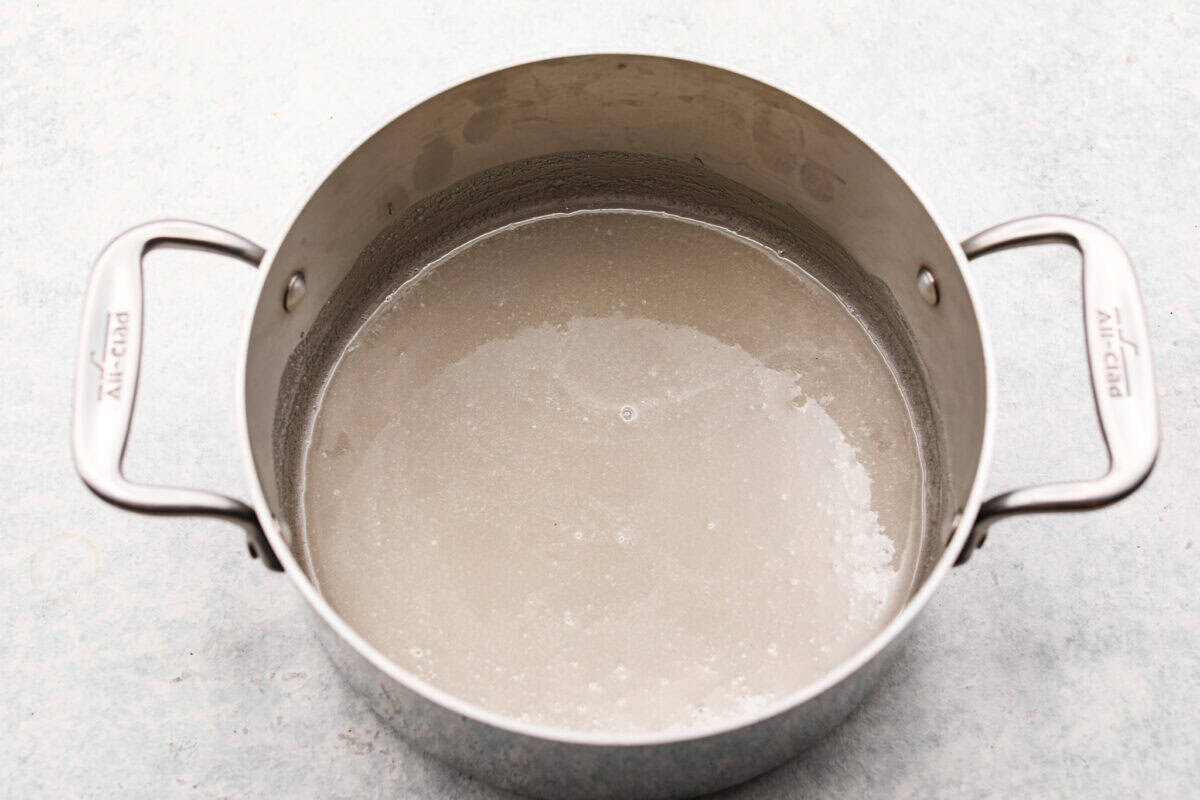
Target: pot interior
(631, 132)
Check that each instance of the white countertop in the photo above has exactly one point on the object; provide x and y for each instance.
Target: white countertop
(149, 657)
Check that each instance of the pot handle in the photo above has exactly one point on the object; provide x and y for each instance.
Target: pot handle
(1118, 347)
(106, 374)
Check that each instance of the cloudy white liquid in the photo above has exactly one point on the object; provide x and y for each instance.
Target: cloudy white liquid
(613, 471)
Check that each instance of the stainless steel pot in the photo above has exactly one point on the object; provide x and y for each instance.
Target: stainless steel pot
(779, 152)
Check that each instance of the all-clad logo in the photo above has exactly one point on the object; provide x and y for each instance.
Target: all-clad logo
(1116, 368)
(111, 358)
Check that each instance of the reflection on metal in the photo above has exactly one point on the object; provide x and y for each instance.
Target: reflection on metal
(294, 292)
(927, 286)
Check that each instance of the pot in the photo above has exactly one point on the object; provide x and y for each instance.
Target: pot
(548, 135)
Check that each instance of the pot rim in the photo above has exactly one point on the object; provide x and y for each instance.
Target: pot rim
(890, 632)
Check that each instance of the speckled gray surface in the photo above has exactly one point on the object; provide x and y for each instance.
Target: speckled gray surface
(150, 658)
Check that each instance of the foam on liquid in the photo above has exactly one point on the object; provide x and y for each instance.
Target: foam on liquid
(613, 471)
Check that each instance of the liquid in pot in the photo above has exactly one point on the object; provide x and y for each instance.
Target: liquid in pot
(613, 471)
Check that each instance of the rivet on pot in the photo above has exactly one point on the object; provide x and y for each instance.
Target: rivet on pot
(295, 291)
(927, 285)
